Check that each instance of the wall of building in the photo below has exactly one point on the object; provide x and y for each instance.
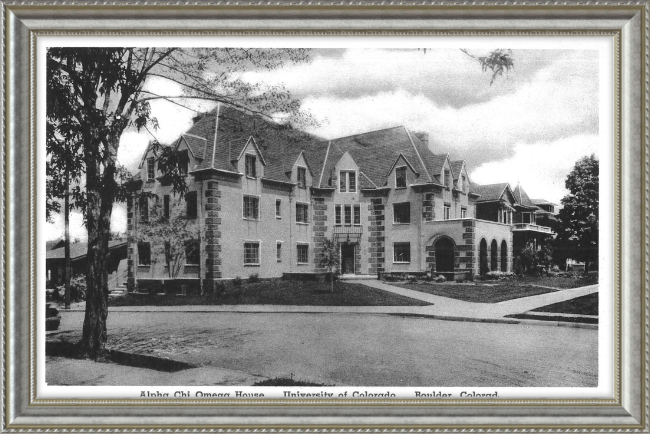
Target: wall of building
(492, 231)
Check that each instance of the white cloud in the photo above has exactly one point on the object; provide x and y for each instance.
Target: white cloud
(541, 168)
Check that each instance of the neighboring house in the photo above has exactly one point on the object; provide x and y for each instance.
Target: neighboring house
(55, 261)
(264, 202)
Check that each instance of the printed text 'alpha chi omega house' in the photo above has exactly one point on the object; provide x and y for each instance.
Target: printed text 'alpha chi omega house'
(264, 201)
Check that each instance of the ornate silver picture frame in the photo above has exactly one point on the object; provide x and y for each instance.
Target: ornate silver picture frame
(626, 25)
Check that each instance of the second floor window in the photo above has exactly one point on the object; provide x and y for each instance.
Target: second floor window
(402, 212)
(151, 173)
(447, 212)
(337, 215)
(278, 208)
(251, 207)
(190, 202)
(302, 177)
(302, 213)
(347, 181)
(183, 162)
(144, 209)
(463, 213)
(250, 166)
(400, 177)
(348, 215)
(166, 207)
(357, 215)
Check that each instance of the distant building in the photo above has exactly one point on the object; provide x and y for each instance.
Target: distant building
(264, 204)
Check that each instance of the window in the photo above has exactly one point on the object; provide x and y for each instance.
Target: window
(446, 211)
(302, 177)
(302, 212)
(192, 252)
(190, 204)
(348, 215)
(251, 207)
(348, 181)
(250, 166)
(357, 215)
(427, 207)
(303, 253)
(183, 162)
(166, 207)
(400, 177)
(448, 180)
(526, 217)
(402, 212)
(402, 252)
(337, 215)
(252, 253)
(463, 213)
(144, 253)
(278, 251)
(278, 208)
(151, 173)
(144, 209)
(463, 183)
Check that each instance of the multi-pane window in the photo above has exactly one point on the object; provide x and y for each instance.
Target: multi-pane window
(357, 214)
(144, 253)
(251, 253)
(348, 215)
(278, 251)
(402, 212)
(337, 215)
(192, 252)
(302, 177)
(303, 253)
(400, 177)
(463, 213)
(446, 212)
(190, 204)
(251, 207)
(278, 208)
(250, 166)
(151, 173)
(302, 212)
(183, 162)
(166, 207)
(401, 252)
(144, 208)
(347, 181)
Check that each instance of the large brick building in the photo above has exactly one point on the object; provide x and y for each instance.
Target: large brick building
(265, 199)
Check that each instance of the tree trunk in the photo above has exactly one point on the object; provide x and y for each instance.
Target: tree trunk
(66, 211)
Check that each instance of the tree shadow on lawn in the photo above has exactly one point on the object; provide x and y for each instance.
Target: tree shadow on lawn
(279, 292)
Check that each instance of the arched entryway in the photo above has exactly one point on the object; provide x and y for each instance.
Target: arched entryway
(444, 248)
(504, 256)
(493, 256)
(483, 257)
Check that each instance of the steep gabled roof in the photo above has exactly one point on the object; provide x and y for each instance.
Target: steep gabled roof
(195, 144)
(456, 168)
(543, 202)
(490, 192)
(522, 198)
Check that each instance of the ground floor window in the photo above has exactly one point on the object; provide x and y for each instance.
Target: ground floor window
(402, 252)
(192, 252)
(278, 251)
(144, 253)
(303, 253)
(252, 253)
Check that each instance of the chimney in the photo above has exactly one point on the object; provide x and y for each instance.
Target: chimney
(423, 136)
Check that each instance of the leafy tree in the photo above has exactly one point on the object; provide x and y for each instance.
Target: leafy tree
(330, 258)
(172, 237)
(578, 219)
(96, 94)
(497, 61)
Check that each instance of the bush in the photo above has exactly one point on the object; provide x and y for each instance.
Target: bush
(499, 275)
(77, 290)
(253, 278)
(412, 279)
(440, 279)
(328, 277)
(236, 282)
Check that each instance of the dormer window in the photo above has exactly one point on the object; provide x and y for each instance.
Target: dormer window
(463, 183)
(250, 166)
(183, 162)
(302, 177)
(151, 173)
(400, 177)
(448, 180)
(348, 181)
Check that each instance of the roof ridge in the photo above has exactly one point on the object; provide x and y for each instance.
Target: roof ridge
(367, 132)
(327, 153)
(194, 135)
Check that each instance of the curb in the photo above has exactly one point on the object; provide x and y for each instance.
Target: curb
(503, 321)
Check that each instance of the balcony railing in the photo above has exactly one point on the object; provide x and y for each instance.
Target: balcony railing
(347, 233)
(531, 227)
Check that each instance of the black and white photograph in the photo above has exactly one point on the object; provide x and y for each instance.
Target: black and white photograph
(321, 221)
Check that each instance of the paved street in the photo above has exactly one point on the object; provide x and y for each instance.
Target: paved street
(354, 349)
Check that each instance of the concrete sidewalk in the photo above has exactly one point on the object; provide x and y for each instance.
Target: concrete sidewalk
(441, 307)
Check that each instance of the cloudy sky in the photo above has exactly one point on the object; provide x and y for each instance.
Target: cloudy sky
(528, 127)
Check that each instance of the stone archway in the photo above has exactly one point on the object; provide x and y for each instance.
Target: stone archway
(504, 256)
(493, 256)
(483, 257)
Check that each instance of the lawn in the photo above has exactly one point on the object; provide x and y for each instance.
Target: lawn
(553, 282)
(280, 292)
(585, 305)
(501, 291)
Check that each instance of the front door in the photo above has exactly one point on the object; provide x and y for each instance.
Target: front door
(347, 258)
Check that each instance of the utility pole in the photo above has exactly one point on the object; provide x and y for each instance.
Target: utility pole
(66, 212)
